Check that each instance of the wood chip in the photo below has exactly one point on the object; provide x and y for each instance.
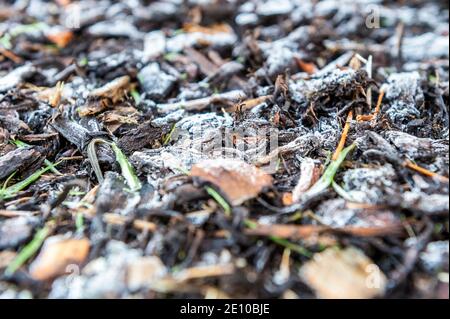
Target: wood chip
(309, 175)
(344, 274)
(238, 180)
(57, 253)
(307, 67)
(213, 29)
(114, 90)
(204, 272)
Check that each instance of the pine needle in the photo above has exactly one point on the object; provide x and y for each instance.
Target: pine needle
(281, 241)
(344, 136)
(426, 172)
(374, 115)
(10, 55)
(378, 107)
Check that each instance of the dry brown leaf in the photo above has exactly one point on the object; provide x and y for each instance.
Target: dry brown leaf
(55, 98)
(57, 253)
(61, 38)
(307, 67)
(114, 120)
(238, 180)
(206, 66)
(344, 274)
(85, 206)
(114, 90)
(287, 199)
(93, 107)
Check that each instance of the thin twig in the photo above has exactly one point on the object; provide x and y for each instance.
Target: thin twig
(425, 171)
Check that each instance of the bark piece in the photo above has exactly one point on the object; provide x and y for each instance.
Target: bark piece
(17, 159)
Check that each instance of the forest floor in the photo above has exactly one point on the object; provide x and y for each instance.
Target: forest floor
(224, 149)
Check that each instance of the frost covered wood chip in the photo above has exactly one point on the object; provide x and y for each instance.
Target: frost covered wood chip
(238, 180)
(344, 274)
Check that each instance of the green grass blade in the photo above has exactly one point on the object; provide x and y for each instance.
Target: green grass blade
(127, 169)
(79, 223)
(27, 28)
(136, 96)
(5, 185)
(286, 243)
(16, 188)
(169, 136)
(342, 192)
(92, 156)
(219, 199)
(5, 41)
(20, 144)
(28, 251)
(125, 166)
(328, 176)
